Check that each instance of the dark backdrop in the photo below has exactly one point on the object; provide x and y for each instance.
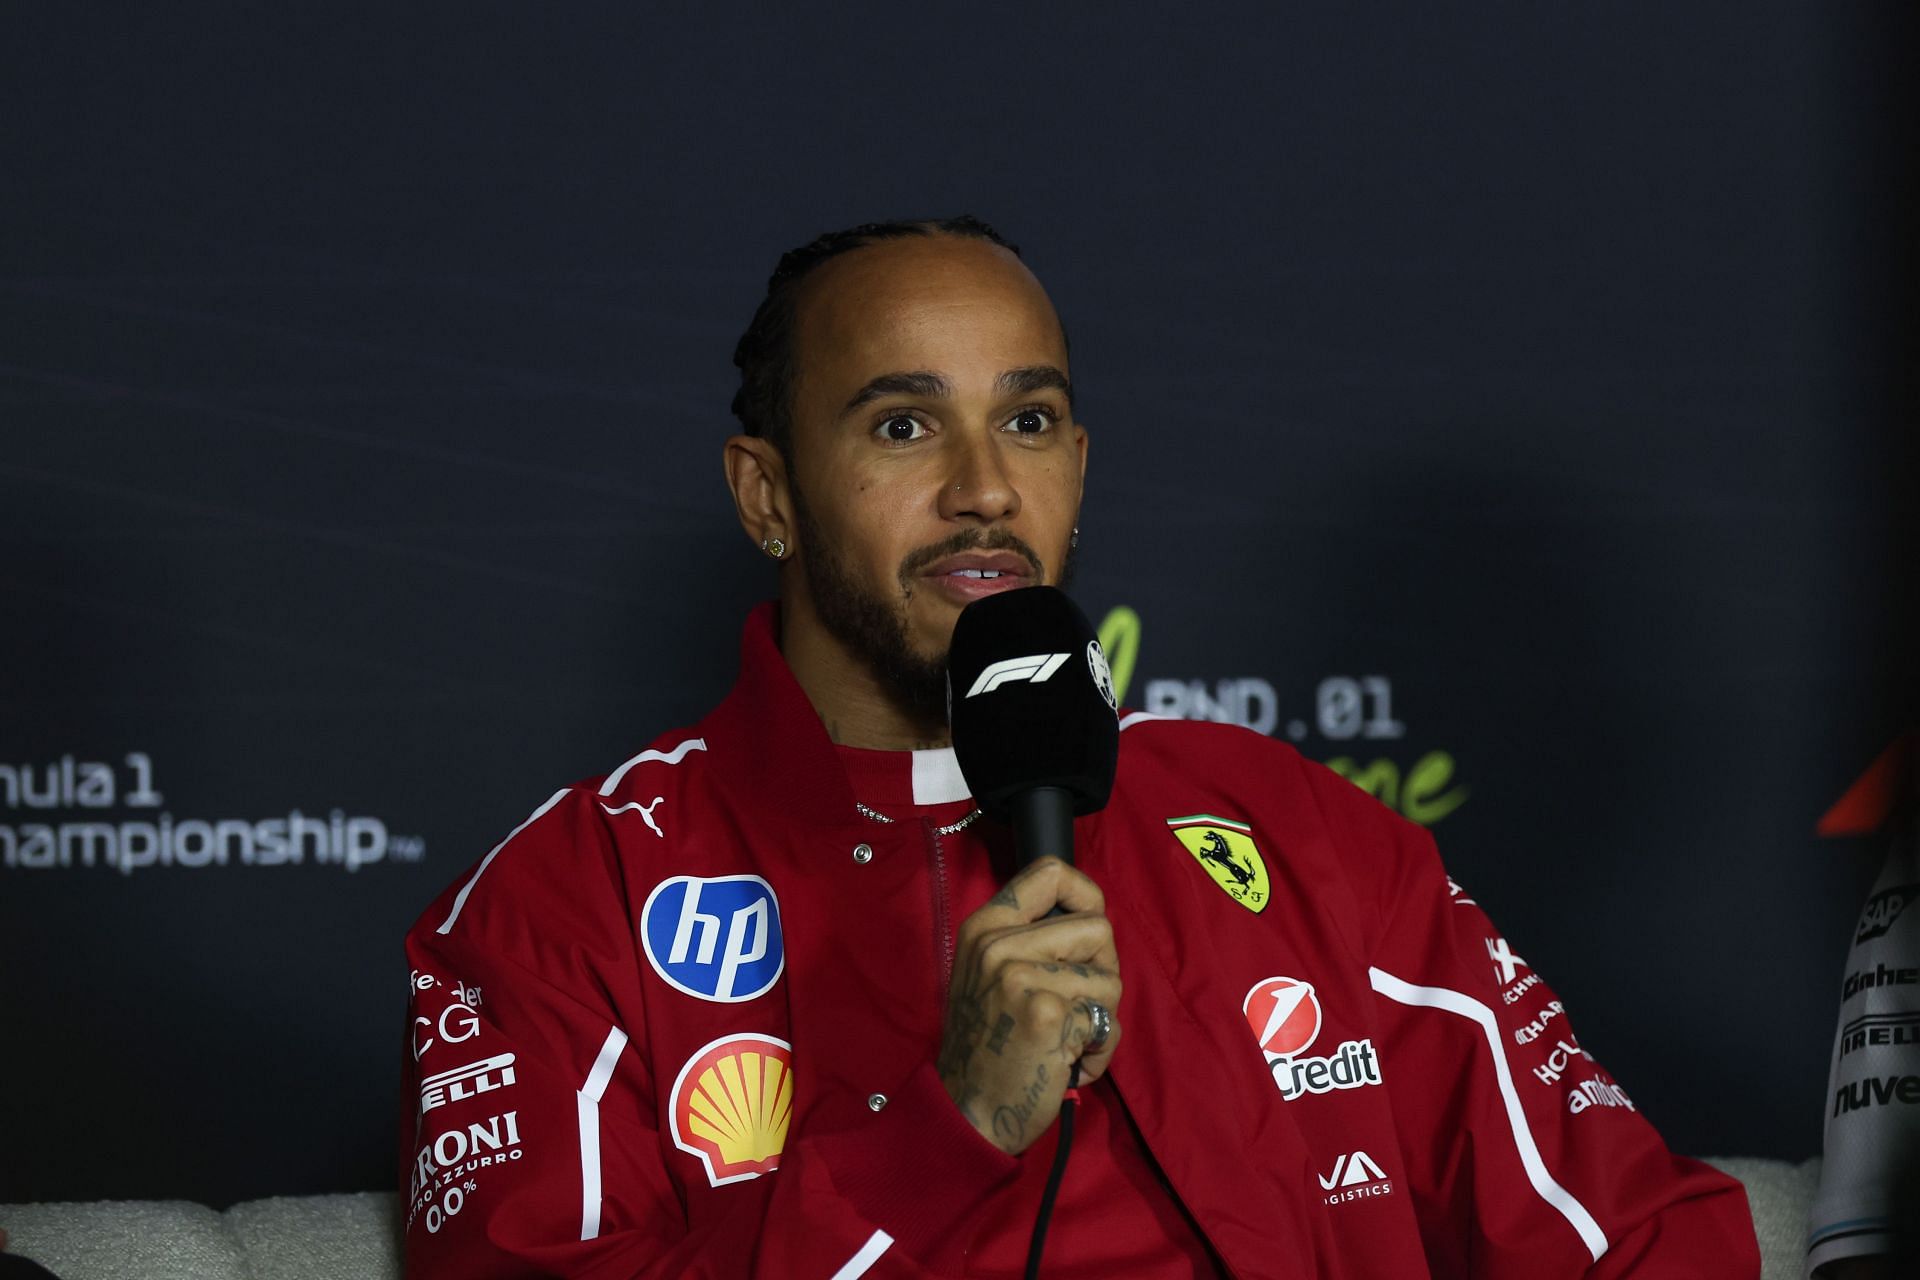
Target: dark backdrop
(1507, 403)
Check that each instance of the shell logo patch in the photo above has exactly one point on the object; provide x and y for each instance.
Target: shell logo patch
(1225, 850)
(731, 1105)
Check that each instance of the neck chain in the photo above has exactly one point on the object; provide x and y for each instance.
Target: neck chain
(950, 829)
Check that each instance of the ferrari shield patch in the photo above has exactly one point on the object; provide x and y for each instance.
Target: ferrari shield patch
(1225, 849)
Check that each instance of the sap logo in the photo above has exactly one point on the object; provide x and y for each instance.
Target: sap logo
(718, 939)
(469, 1081)
(1353, 1177)
(1883, 909)
(1034, 669)
(1876, 1091)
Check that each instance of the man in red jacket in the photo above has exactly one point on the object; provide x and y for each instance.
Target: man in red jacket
(769, 999)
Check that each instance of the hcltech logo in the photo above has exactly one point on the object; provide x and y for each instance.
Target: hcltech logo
(718, 939)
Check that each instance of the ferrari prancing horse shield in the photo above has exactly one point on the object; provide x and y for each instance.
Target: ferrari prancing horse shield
(1225, 848)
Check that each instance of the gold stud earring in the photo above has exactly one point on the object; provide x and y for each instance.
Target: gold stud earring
(775, 548)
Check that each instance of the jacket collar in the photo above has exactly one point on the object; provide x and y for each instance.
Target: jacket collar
(768, 744)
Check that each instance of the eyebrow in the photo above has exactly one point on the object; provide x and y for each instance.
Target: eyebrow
(921, 382)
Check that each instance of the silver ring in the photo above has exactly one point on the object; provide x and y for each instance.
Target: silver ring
(1102, 1027)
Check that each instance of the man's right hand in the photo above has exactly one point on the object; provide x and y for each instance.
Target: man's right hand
(1018, 1014)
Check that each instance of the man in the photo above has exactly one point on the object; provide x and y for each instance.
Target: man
(1865, 1218)
(770, 999)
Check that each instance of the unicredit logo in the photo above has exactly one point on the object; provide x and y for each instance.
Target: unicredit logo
(1284, 1015)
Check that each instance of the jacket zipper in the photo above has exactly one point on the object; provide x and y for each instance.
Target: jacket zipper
(942, 909)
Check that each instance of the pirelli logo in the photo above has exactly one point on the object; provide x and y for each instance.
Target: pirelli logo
(469, 1081)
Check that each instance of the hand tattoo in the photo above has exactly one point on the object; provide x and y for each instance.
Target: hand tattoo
(1010, 1122)
(1001, 1030)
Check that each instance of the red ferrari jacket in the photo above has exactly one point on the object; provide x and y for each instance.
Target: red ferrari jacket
(682, 1021)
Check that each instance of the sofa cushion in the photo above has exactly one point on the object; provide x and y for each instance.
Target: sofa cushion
(130, 1239)
(357, 1237)
(1781, 1195)
(343, 1237)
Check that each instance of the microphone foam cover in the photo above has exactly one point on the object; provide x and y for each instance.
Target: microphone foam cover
(1030, 700)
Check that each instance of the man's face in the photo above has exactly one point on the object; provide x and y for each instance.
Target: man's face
(933, 448)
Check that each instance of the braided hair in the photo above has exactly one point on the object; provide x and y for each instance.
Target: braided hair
(764, 354)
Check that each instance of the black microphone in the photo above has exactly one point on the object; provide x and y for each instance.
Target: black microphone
(1034, 718)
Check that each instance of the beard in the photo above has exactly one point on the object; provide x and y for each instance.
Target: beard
(873, 627)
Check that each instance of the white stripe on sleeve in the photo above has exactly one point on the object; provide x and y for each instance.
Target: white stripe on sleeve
(1467, 1007)
(588, 1106)
(460, 900)
(870, 1252)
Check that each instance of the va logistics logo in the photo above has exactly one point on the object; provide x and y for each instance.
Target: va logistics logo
(1345, 711)
(717, 939)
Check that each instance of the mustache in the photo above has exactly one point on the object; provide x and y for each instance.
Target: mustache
(998, 540)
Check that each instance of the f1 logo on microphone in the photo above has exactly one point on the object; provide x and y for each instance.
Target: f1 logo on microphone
(1034, 669)
(717, 939)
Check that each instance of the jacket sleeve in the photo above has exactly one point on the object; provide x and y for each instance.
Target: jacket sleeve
(531, 1141)
(1525, 1157)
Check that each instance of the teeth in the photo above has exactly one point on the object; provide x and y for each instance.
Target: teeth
(978, 573)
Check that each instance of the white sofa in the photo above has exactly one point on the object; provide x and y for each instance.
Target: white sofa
(356, 1237)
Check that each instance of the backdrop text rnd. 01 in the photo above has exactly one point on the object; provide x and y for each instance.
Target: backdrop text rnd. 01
(1506, 409)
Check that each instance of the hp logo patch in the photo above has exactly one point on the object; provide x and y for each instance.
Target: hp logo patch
(718, 939)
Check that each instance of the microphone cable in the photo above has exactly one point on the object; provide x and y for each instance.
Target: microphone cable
(1045, 1213)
